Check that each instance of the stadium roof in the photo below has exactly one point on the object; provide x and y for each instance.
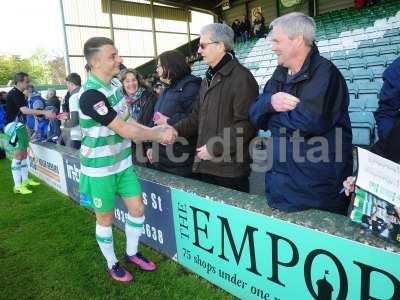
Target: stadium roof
(209, 5)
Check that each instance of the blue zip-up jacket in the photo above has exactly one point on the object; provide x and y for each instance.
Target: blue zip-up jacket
(30, 119)
(176, 102)
(302, 176)
(388, 111)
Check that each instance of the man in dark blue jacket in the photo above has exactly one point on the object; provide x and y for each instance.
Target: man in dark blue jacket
(305, 106)
(388, 111)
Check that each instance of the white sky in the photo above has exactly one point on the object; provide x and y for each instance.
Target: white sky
(26, 25)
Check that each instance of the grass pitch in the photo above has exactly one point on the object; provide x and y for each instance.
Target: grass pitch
(48, 251)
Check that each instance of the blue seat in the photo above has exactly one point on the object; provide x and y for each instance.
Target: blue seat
(335, 41)
(363, 127)
(357, 105)
(327, 55)
(358, 31)
(338, 55)
(353, 90)
(369, 90)
(374, 51)
(371, 104)
(375, 61)
(366, 43)
(341, 63)
(332, 35)
(390, 58)
(377, 72)
(323, 43)
(392, 32)
(347, 74)
(382, 42)
(354, 53)
(356, 63)
(395, 40)
(361, 75)
(388, 49)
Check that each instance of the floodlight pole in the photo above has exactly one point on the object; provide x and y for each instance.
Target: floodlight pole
(278, 13)
(111, 19)
(66, 61)
(153, 28)
(188, 30)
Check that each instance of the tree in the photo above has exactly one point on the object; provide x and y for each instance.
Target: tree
(57, 68)
(40, 68)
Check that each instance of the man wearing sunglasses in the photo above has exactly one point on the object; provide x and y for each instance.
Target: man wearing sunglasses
(220, 119)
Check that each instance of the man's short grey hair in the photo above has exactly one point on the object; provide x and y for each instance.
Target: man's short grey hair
(219, 33)
(52, 90)
(295, 24)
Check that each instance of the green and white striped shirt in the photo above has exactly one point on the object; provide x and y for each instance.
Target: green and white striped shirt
(103, 152)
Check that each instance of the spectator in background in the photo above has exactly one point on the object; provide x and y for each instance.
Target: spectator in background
(53, 104)
(30, 120)
(259, 25)
(17, 133)
(33, 97)
(305, 106)
(3, 97)
(141, 103)
(158, 88)
(53, 101)
(245, 29)
(73, 82)
(388, 111)
(37, 125)
(41, 123)
(236, 30)
(65, 104)
(220, 118)
(175, 103)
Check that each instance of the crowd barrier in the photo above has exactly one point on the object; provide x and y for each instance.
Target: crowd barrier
(237, 242)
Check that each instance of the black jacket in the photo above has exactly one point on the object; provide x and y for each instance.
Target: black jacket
(146, 103)
(222, 113)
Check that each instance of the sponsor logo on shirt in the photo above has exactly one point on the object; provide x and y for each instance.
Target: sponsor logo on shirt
(101, 108)
(84, 199)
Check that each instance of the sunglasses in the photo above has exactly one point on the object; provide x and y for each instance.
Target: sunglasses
(204, 45)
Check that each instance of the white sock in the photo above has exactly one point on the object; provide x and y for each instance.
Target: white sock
(104, 238)
(133, 230)
(24, 170)
(16, 172)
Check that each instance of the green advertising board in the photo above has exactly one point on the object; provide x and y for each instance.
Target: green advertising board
(289, 3)
(259, 256)
(254, 256)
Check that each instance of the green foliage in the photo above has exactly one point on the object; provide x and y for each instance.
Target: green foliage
(41, 69)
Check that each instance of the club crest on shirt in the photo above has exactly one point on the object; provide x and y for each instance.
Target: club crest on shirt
(101, 108)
